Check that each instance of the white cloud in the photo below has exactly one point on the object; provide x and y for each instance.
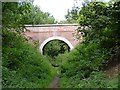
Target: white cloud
(57, 8)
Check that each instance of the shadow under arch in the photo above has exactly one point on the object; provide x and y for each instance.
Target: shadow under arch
(55, 38)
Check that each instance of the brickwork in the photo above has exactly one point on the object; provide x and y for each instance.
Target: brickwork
(43, 32)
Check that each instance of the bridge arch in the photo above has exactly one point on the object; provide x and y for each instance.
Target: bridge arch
(55, 38)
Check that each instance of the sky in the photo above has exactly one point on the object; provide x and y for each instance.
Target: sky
(57, 8)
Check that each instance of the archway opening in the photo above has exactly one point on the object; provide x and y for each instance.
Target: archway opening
(55, 38)
(55, 47)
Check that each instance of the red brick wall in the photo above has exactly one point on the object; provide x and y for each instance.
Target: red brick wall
(43, 32)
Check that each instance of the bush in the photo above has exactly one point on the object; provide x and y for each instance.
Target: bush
(23, 65)
(80, 63)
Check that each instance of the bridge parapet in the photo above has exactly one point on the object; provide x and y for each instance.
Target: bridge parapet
(51, 27)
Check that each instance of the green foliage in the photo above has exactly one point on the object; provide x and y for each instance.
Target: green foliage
(72, 15)
(65, 22)
(36, 16)
(96, 80)
(55, 47)
(87, 58)
(16, 14)
(22, 64)
(10, 14)
(81, 68)
(102, 23)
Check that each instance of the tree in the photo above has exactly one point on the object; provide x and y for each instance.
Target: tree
(17, 14)
(72, 15)
(55, 47)
(102, 21)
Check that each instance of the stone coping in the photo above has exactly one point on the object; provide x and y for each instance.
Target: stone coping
(51, 25)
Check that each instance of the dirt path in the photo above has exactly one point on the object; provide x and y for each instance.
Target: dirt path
(54, 83)
(112, 66)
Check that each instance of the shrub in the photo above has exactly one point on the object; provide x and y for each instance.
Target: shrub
(23, 65)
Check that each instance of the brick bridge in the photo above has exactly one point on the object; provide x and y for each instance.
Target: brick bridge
(48, 32)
